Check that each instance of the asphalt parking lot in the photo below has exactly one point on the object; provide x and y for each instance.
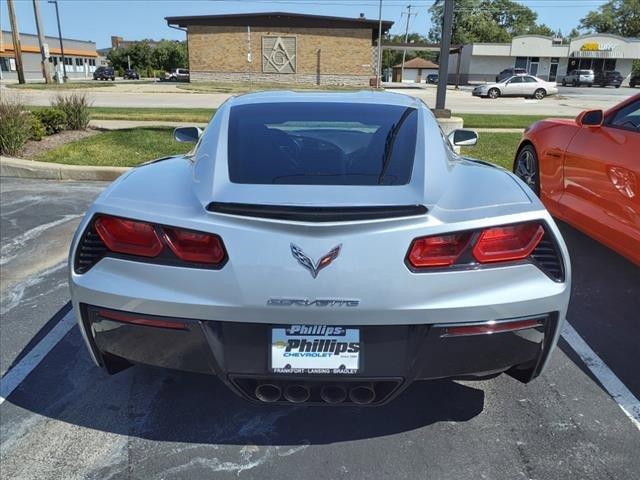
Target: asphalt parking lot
(68, 419)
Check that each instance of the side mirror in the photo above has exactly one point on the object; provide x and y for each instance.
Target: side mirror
(187, 134)
(463, 138)
(590, 118)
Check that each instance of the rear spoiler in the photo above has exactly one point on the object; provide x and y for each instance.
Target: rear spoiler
(317, 214)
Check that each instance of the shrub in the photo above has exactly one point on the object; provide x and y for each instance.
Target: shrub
(76, 107)
(53, 120)
(14, 130)
(37, 129)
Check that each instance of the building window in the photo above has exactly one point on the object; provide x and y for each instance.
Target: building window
(68, 61)
(609, 64)
(521, 62)
(278, 54)
(5, 64)
(79, 62)
(92, 62)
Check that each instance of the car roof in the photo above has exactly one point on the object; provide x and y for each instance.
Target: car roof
(362, 96)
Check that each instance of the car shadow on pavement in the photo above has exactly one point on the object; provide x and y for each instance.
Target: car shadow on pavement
(163, 405)
(604, 306)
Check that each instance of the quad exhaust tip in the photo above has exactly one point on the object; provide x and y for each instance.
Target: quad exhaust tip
(362, 394)
(333, 393)
(297, 393)
(268, 392)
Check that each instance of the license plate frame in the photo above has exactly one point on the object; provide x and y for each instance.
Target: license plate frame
(324, 360)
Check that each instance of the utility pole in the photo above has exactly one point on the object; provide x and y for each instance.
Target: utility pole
(379, 65)
(15, 36)
(445, 46)
(406, 37)
(64, 63)
(46, 73)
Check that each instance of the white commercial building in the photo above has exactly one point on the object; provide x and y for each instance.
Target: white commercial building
(546, 57)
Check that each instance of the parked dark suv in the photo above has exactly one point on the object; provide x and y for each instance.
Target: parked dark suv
(104, 73)
(510, 72)
(131, 74)
(604, 79)
(635, 80)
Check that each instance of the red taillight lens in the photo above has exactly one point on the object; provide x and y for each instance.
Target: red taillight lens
(437, 251)
(488, 328)
(195, 247)
(145, 321)
(129, 236)
(511, 242)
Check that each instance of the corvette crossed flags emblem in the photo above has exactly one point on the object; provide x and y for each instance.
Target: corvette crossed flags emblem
(307, 263)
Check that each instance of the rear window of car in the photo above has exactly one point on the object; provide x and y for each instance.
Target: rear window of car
(314, 143)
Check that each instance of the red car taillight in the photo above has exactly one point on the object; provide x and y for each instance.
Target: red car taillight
(143, 239)
(491, 245)
(437, 251)
(512, 242)
(129, 236)
(193, 246)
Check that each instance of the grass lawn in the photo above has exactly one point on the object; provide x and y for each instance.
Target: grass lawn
(119, 148)
(60, 86)
(498, 148)
(246, 87)
(130, 147)
(492, 120)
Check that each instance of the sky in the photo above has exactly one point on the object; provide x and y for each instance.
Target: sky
(98, 20)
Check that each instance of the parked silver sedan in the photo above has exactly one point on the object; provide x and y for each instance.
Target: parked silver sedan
(526, 86)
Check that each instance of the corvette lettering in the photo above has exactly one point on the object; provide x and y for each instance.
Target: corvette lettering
(305, 302)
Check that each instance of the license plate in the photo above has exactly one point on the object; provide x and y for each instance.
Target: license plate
(315, 349)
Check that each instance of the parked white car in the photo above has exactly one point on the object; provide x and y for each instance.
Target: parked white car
(526, 86)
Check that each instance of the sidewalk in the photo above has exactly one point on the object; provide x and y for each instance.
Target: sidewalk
(20, 168)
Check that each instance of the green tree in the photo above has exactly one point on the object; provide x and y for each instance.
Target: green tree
(169, 54)
(620, 17)
(487, 21)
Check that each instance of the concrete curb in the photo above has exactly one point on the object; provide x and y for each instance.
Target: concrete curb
(20, 168)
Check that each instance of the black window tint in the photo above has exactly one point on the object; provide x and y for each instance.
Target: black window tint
(516, 80)
(321, 143)
(628, 117)
(530, 80)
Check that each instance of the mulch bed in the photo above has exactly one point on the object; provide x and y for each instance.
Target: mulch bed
(33, 148)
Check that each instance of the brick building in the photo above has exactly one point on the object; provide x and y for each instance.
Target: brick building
(281, 48)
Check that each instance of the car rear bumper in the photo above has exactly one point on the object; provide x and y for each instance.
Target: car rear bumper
(392, 356)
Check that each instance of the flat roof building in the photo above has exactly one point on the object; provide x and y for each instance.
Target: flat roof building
(80, 56)
(547, 58)
(281, 47)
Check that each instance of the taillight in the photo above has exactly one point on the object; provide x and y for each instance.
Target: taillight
(129, 236)
(155, 243)
(438, 251)
(195, 247)
(491, 327)
(490, 245)
(511, 242)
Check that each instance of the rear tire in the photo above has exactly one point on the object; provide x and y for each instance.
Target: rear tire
(526, 168)
(493, 93)
(539, 94)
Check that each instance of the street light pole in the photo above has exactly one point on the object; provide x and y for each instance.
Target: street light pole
(64, 65)
(445, 46)
(406, 38)
(379, 66)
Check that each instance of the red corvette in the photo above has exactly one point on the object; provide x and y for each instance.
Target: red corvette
(587, 172)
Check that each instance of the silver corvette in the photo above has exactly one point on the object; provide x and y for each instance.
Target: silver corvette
(321, 248)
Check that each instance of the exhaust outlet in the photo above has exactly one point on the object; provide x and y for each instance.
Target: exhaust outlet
(333, 393)
(362, 394)
(297, 393)
(268, 392)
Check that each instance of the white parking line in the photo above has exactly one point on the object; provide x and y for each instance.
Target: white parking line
(24, 367)
(618, 391)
